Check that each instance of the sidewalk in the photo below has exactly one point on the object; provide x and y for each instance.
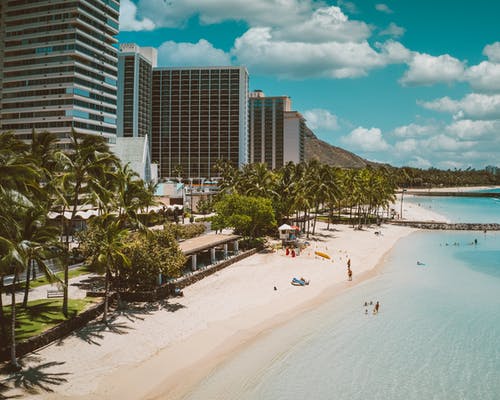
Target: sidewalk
(40, 292)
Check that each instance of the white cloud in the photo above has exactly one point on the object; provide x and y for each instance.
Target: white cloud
(192, 54)
(492, 51)
(393, 30)
(367, 140)
(473, 106)
(394, 52)
(262, 53)
(326, 24)
(484, 77)
(446, 143)
(467, 129)
(419, 162)
(407, 146)
(414, 130)
(383, 8)
(129, 20)
(321, 119)
(349, 6)
(425, 69)
(175, 13)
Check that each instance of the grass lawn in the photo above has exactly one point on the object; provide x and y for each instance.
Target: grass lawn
(73, 273)
(43, 314)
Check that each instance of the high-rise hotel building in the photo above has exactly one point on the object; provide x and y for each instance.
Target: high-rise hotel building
(135, 72)
(200, 115)
(276, 133)
(59, 66)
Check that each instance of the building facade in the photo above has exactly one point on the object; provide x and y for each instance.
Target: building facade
(293, 140)
(59, 67)
(200, 116)
(135, 72)
(276, 134)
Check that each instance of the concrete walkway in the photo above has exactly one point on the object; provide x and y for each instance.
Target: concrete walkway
(40, 292)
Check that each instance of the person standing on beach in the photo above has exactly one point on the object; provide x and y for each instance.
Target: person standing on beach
(348, 263)
(349, 274)
(375, 310)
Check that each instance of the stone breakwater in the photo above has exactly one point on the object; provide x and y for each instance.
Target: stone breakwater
(448, 226)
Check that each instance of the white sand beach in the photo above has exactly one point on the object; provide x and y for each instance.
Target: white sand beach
(160, 353)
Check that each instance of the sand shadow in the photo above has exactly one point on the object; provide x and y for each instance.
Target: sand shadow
(32, 379)
(136, 311)
(93, 333)
(172, 307)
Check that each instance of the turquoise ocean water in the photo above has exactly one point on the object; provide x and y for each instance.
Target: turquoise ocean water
(459, 209)
(437, 335)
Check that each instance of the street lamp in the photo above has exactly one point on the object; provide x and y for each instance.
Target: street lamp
(191, 218)
(402, 195)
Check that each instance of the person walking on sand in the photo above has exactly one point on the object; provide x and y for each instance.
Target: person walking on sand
(348, 263)
(375, 310)
(349, 274)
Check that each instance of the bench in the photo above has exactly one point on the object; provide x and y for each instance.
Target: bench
(54, 293)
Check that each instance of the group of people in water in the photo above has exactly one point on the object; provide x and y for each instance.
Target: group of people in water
(375, 308)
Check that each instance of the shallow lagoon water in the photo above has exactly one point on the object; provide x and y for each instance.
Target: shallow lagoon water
(437, 334)
(436, 337)
(462, 209)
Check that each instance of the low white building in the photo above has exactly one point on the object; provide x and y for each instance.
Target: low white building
(135, 151)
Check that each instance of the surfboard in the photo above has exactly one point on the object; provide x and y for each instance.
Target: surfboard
(321, 254)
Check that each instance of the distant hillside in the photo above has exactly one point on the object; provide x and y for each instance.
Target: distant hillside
(331, 155)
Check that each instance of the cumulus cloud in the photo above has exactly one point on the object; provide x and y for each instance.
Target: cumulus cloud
(367, 140)
(467, 129)
(414, 130)
(129, 20)
(393, 30)
(484, 77)
(425, 69)
(321, 119)
(419, 162)
(326, 24)
(492, 51)
(472, 106)
(192, 54)
(349, 6)
(383, 8)
(263, 53)
(175, 13)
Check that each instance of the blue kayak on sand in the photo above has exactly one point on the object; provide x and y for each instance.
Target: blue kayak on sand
(299, 282)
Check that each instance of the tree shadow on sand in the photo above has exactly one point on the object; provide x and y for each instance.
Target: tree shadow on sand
(93, 332)
(32, 379)
(3, 392)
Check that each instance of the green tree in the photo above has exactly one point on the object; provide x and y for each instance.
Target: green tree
(109, 253)
(82, 168)
(251, 217)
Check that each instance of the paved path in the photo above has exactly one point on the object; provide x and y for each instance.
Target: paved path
(40, 292)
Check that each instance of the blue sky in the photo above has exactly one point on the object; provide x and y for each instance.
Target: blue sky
(405, 82)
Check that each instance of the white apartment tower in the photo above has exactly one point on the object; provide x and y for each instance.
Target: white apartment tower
(276, 133)
(58, 69)
(135, 73)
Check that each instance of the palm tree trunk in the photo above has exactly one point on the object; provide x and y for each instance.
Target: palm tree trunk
(3, 328)
(106, 295)
(66, 272)
(13, 358)
(27, 285)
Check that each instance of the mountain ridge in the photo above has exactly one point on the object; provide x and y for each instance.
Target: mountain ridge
(332, 155)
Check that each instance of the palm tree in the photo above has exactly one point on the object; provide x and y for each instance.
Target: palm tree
(110, 252)
(39, 241)
(22, 240)
(81, 168)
